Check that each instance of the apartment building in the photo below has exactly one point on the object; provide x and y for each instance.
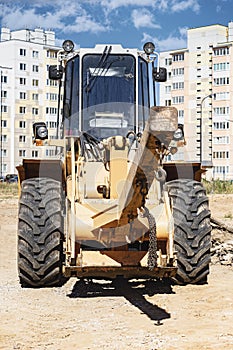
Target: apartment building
(200, 86)
(27, 95)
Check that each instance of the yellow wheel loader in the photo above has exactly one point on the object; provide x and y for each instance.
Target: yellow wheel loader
(112, 203)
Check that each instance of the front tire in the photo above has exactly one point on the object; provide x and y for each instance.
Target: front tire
(192, 237)
(40, 233)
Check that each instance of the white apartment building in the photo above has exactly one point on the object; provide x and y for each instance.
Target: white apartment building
(27, 95)
(200, 86)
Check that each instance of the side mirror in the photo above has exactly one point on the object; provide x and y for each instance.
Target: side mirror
(40, 131)
(159, 74)
(55, 72)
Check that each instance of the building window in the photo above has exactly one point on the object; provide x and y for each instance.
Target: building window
(221, 81)
(4, 109)
(51, 54)
(22, 138)
(221, 111)
(51, 97)
(221, 170)
(222, 51)
(168, 61)
(35, 68)
(4, 152)
(35, 97)
(168, 102)
(22, 52)
(35, 111)
(50, 82)
(35, 54)
(22, 95)
(168, 89)
(51, 110)
(221, 140)
(22, 81)
(221, 155)
(178, 71)
(22, 110)
(4, 138)
(181, 113)
(35, 82)
(4, 123)
(22, 66)
(4, 79)
(5, 168)
(178, 85)
(222, 96)
(221, 125)
(22, 153)
(4, 94)
(177, 99)
(22, 124)
(51, 125)
(178, 57)
(50, 153)
(221, 66)
(34, 154)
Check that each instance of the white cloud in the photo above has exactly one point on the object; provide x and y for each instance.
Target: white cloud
(172, 42)
(114, 4)
(147, 37)
(93, 16)
(163, 5)
(183, 31)
(177, 6)
(143, 18)
(85, 24)
(55, 17)
(17, 19)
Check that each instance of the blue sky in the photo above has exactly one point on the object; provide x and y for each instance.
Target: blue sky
(128, 22)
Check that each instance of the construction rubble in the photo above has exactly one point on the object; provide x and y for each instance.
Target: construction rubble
(222, 243)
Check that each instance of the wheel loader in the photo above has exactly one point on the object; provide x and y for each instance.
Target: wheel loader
(112, 202)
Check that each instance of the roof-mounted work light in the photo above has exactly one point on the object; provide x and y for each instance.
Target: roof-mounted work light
(149, 48)
(68, 46)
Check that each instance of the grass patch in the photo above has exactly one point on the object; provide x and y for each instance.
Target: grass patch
(218, 186)
(8, 190)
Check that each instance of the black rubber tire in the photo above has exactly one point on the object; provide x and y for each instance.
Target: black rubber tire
(40, 233)
(192, 237)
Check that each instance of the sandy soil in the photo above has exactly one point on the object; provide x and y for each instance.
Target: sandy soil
(146, 315)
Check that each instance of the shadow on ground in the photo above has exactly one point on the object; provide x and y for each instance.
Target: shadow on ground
(133, 290)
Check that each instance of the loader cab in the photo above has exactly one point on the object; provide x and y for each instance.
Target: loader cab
(106, 92)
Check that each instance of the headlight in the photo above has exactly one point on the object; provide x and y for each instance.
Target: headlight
(149, 48)
(178, 134)
(68, 46)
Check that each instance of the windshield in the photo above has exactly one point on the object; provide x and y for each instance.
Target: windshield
(108, 94)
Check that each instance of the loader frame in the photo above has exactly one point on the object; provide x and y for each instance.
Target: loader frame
(112, 181)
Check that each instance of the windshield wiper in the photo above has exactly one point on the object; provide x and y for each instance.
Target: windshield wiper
(99, 66)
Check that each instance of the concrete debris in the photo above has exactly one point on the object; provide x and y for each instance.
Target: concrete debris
(222, 252)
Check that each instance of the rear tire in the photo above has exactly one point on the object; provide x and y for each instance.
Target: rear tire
(40, 233)
(192, 238)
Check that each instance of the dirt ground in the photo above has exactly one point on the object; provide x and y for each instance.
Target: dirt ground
(146, 315)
